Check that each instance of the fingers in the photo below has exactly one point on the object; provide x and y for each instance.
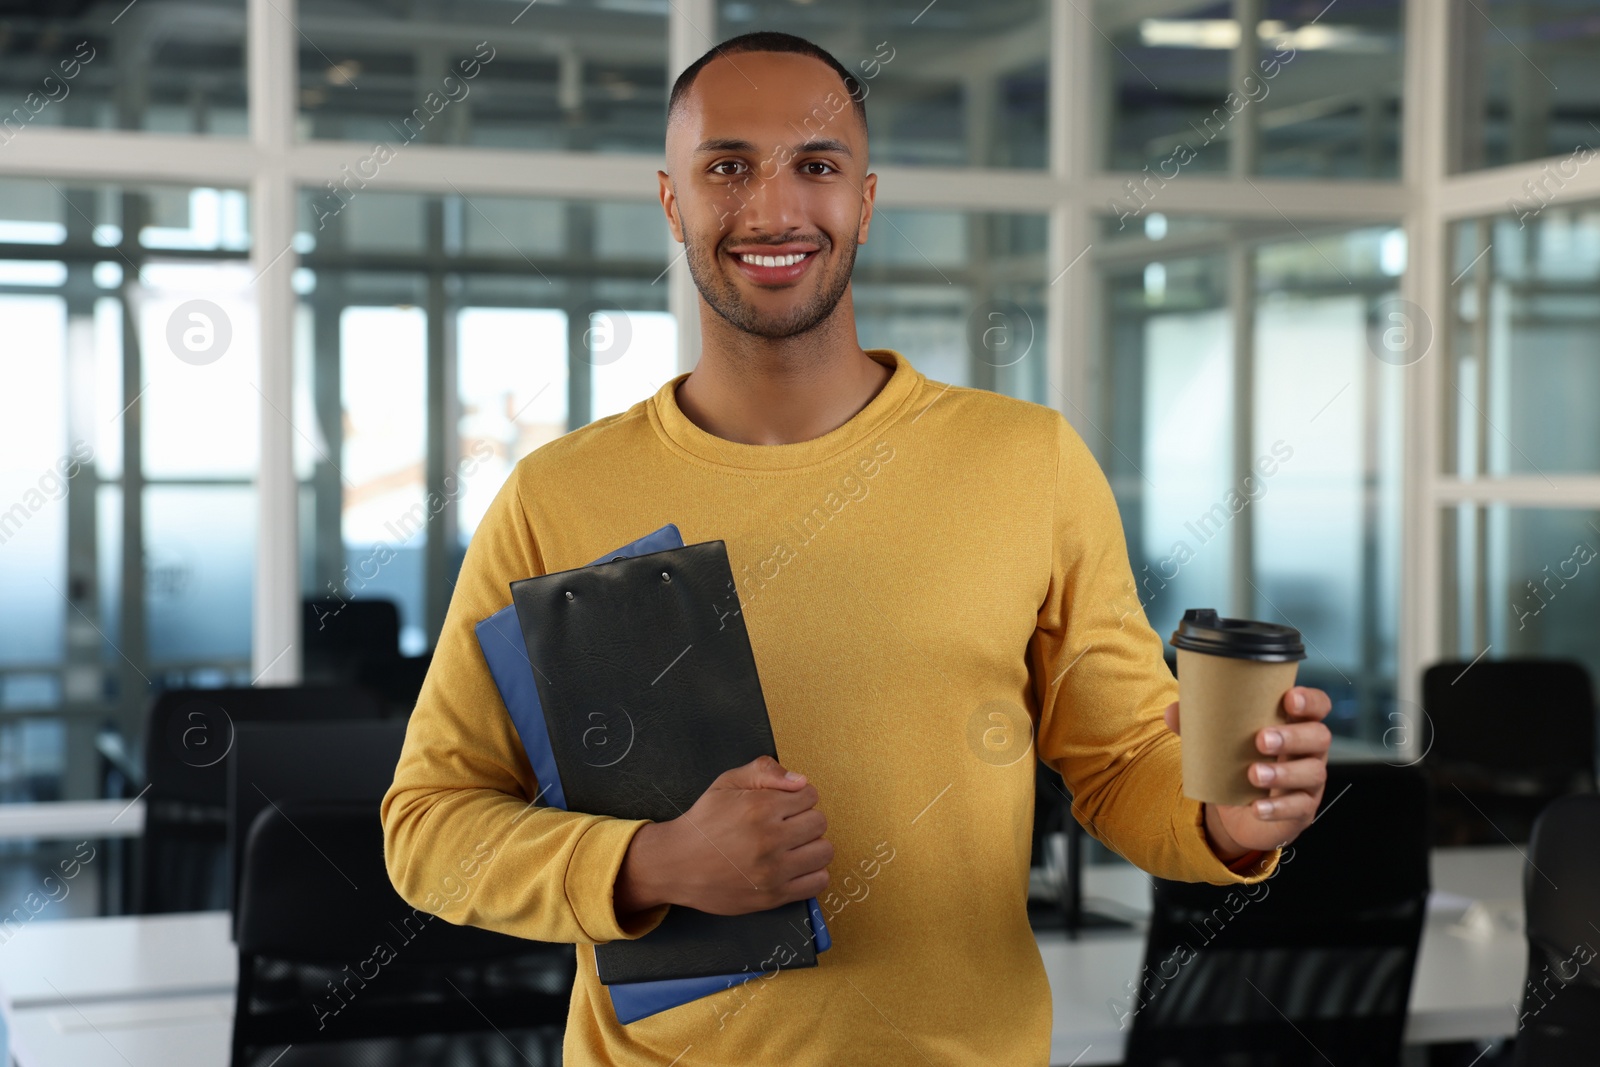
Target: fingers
(806, 826)
(1294, 739)
(812, 856)
(1171, 715)
(1290, 775)
(1303, 702)
(763, 772)
(1298, 776)
(807, 885)
(785, 805)
(775, 775)
(1287, 808)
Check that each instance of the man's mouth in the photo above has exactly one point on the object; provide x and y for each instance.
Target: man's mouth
(774, 268)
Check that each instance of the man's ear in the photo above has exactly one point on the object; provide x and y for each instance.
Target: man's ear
(869, 190)
(669, 204)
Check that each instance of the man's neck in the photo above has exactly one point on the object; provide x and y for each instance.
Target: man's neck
(759, 391)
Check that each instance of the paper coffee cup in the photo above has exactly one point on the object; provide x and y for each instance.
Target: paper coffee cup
(1232, 675)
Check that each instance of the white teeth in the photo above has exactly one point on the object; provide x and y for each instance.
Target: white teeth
(772, 261)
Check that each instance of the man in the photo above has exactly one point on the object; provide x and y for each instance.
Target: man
(935, 583)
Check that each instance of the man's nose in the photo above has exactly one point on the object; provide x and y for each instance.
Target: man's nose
(771, 202)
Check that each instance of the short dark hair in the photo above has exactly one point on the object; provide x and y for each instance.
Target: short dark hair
(769, 41)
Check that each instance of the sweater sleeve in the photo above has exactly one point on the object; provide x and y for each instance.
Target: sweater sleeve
(1102, 687)
(464, 836)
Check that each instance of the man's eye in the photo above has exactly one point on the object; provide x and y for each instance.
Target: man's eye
(717, 167)
(820, 163)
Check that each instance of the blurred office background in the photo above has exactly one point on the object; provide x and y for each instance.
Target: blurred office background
(288, 286)
(1318, 282)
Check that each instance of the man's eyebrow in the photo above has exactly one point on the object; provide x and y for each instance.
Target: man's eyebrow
(823, 144)
(739, 144)
(724, 144)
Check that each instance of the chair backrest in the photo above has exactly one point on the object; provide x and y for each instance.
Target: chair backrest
(358, 641)
(328, 951)
(339, 636)
(1316, 961)
(274, 762)
(1517, 715)
(189, 732)
(1502, 739)
(188, 735)
(1559, 1021)
(398, 682)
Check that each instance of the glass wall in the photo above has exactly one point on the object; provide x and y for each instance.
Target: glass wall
(1524, 82)
(1314, 91)
(1525, 344)
(579, 76)
(960, 294)
(165, 66)
(1166, 433)
(1260, 475)
(1522, 375)
(441, 339)
(129, 438)
(957, 83)
(1328, 409)
(1522, 582)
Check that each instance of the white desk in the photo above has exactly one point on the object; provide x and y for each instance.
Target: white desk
(163, 985)
(159, 1032)
(72, 820)
(1468, 979)
(81, 961)
(121, 991)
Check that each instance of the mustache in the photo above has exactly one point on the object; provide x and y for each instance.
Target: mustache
(822, 243)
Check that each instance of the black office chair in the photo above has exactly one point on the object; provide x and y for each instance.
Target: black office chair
(334, 963)
(337, 635)
(1313, 964)
(1504, 738)
(358, 642)
(182, 855)
(327, 762)
(397, 682)
(1560, 1015)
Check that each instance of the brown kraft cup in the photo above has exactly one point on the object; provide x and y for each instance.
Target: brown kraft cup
(1232, 675)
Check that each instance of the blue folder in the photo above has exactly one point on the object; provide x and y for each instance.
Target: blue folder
(500, 638)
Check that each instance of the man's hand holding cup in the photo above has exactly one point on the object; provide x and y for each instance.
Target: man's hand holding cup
(1256, 748)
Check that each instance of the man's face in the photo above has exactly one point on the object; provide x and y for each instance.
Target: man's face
(768, 159)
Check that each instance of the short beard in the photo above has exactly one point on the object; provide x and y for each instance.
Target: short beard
(724, 298)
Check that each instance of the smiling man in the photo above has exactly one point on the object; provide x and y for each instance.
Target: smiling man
(934, 581)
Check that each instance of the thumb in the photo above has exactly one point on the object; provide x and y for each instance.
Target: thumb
(763, 772)
(1171, 715)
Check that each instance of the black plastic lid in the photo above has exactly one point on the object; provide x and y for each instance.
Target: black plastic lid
(1202, 631)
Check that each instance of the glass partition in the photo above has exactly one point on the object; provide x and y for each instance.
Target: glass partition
(440, 340)
(1524, 365)
(580, 76)
(1260, 476)
(1524, 84)
(960, 294)
(163, 66)
(129, 438)
(1313, 92)
(1522, 582)
(960, 83)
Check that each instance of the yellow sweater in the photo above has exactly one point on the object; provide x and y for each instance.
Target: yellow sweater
(924, 587)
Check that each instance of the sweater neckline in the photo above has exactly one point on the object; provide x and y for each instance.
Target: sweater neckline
(682, 435)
